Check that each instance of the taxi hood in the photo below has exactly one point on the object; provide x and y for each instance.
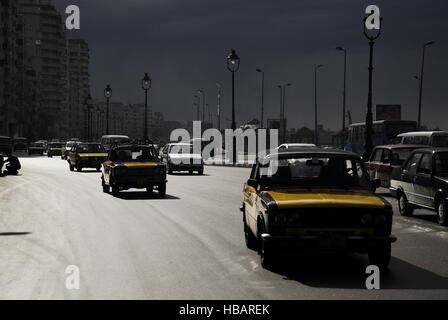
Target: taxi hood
(321, 198)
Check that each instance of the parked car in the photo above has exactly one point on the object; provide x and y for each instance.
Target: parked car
(20, 144)
(318, 200)
(386, 158)
(133, 166)
(86, 155)
(37, 148)
(422, 182)
(181, 157)
(438, 139)
(5, 145)
(296, 145)
(54, 149)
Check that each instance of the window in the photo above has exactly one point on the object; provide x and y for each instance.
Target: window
(377, 157)
(387, 156)
(425, 164)
(441, 164)
(412, 165)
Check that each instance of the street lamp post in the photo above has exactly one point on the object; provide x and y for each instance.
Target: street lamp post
(344, 94)
(316, 131)
(146, 85)
(282, 109)
(88, 103)
(107, 95)
(368, 147)
(233, 64)
(197, 104)
(219, 106)
(421, 83)
(262, 97)
(202, 92)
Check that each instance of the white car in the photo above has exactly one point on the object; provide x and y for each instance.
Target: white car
(180, 157)
(296, 146)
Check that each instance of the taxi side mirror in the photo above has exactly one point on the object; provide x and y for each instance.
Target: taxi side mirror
(252, 183)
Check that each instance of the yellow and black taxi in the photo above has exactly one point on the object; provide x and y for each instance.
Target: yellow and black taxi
(54, 149)
(134, 166)
(86, 155)
(315, 199)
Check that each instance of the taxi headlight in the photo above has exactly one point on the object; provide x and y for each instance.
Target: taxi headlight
(366, 219)
(380, 219)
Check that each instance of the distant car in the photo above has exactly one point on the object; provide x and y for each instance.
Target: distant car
(181, 157)
(386, 158)
(68, 146)
(5, 144)
(296, 145)
(86, 155)
(133, 166)
(54, 149)
(20, 144)
(437, 139)
(317, 200)
(110, 141)
(422, 182)
(36, 148)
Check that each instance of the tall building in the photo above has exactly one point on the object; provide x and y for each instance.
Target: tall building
(45, 64)
(9, 104)
(79, 86)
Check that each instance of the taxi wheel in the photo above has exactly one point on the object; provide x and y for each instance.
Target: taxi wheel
(442, 215)
(404, 207)
(200, 172)
(98, 169)
(106, 188)
(267, 255)
(162, 190)
(380, 257)
(78, 167)
(150, 190)
(115, 190)
(251, 240)
(72, 167)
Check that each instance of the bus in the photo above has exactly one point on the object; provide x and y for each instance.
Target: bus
(384, 132)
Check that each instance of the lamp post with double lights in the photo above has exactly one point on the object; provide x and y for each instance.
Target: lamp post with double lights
(368, 147)
(316, 129)
(107, 95)
(146, 85)
(420, 94)
(344, 94)
(262, 97)
(233, 65)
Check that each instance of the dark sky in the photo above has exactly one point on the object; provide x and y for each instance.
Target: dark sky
(183, 45)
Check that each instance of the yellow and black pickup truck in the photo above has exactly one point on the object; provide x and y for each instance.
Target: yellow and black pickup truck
(134, 166)
(86, 155)
(315, 199)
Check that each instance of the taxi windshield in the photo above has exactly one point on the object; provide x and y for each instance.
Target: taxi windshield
(331, 172)
(134, 154)
(56, 145)
(91, 148)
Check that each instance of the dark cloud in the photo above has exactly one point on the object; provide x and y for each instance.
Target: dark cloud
(183, 45)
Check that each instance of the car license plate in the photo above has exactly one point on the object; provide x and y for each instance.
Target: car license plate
(333, 241)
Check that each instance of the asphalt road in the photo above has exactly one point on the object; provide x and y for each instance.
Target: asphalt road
(187, 246)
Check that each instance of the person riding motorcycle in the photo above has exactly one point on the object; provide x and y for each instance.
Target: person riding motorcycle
(12, 165)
